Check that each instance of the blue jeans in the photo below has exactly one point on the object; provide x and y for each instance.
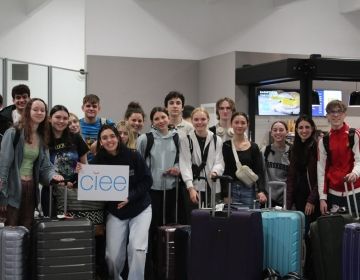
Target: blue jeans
(240, 193)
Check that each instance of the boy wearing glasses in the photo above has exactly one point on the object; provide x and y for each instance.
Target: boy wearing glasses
(90, 124)
(338, 159)
(11, 114)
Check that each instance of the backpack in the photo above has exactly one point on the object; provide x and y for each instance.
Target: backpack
(4, 125)
(150, 143)
(268, 151)
(326, 140)
(196, 169)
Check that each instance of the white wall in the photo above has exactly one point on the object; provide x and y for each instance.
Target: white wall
(52, 35)
(122, 28)
(135, 28)
(301, 27)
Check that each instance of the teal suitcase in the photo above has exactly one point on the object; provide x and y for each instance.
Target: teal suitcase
(283, 233)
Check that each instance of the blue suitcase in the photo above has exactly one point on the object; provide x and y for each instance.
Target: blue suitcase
(351, 252)
(283, 240)
(226, 245)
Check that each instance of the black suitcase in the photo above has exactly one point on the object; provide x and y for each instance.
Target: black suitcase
(63, 248)
(166, 245)
(226, 245)
(182, 240)
(326, 235)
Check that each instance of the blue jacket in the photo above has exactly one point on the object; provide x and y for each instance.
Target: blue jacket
(10, 163)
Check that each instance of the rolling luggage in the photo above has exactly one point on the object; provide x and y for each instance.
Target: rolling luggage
(14, 248)
(283, 238)
(182, 252)
(226, 245)
(326, 235)
(351, 248)
(166, 245)
(63, 248)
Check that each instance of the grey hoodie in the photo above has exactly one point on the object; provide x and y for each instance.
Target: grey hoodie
(10, 163)
(276, 168)
(161, 158)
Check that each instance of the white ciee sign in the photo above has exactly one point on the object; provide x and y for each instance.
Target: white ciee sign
(103, 182)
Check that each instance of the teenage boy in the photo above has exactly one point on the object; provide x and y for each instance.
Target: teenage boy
(338, 159)
(174, 103)
(225, 107)
(90, 124)
(11, 114)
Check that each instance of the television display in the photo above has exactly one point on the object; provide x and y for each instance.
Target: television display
(273, 102)
(325, 96)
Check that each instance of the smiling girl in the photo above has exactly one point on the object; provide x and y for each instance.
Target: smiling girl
(201, 139)
(128, 221)
(24, 162)
(276, 161)
(249, 154)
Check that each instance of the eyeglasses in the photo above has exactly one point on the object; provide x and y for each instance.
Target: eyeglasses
(335, 112)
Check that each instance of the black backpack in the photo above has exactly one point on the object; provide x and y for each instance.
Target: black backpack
(5, 123)
(150, 143)
(268, 151)
(326, 140)
(196, 169)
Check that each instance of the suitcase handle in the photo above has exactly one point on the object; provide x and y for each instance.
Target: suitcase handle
(277, 183)
(229, 180)
(164, 197)
(51, 192)
(348, 199)
(212, 203)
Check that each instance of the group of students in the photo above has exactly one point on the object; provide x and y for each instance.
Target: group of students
(173, 148)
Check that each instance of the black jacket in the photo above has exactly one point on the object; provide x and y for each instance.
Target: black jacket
(140, 181)
(6, 120)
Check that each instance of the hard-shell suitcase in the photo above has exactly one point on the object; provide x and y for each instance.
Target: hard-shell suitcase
(283, 240)
(182, 240)
(14, 242)
(326, 235)
(351, 252)
(283, 237)
(226, 245)
(351, 246)
(63, 248)
(166, 243)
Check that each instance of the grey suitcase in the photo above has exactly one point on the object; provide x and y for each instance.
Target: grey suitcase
(63, 248)
(14, 248)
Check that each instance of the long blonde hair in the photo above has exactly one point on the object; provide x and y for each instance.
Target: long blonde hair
(131, 143)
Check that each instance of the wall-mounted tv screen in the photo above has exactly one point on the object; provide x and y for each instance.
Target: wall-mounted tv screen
(325, 96)
(273, 102)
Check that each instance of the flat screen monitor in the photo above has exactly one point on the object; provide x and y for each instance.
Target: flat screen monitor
(274, 102)
(325, 96)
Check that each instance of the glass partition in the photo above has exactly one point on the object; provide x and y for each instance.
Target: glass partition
(33, 75)
(68, 89)
(1, 78)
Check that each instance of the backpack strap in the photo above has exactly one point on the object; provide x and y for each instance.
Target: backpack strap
(213, 129)
(267, 152)
(176, 141)
(149, 144)
(16, 138)
(326, 140)
(352, 137)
